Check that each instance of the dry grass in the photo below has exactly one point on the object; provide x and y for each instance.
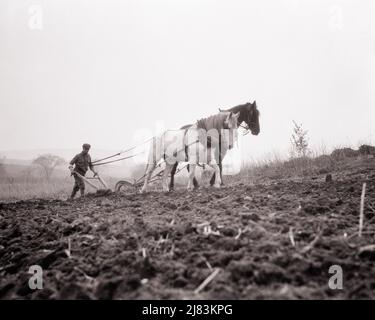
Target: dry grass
(318, 162)
(16, 189)
(12, 189)
(296, 167)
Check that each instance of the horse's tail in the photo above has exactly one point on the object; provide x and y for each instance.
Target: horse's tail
(152, 153)
(149, 155)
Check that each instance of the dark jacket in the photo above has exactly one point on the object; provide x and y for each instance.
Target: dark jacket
(82, 162)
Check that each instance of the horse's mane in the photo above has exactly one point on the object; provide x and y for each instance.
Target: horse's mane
(203, 122)
(213, 122)
(239, 108)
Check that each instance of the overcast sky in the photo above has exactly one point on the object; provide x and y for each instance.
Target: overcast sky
(113, 72)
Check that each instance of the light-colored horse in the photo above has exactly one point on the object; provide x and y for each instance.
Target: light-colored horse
(178, 145)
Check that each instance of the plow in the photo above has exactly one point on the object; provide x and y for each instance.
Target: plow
(125, 186)
(135, 185)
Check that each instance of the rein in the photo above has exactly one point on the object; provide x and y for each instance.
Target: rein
(128, 157)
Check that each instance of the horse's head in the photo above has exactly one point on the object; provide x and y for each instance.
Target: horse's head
(231, 121)
(251, 117)
(249, 114)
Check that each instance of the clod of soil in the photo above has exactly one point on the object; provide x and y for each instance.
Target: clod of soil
(273, 238)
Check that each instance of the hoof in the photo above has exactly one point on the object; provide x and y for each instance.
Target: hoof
(217, 186)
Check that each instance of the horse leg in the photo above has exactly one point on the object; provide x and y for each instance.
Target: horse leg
(217, 173)
(167, 170)
(221, 156)
(195, 181)
(149, 170)
(191, 176)
(221, 172)
(173, 172)
(213, 178)
(212, 181)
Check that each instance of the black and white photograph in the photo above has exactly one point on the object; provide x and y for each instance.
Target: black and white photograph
(190, 150)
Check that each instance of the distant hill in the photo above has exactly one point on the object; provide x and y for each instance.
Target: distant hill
(67, 154)
(16, 170)
(18, 162)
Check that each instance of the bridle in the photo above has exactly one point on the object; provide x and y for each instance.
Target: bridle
(247, 127)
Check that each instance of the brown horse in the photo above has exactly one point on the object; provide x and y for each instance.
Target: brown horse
(249, 114)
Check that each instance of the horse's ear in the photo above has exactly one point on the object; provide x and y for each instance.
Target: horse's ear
(254, 103)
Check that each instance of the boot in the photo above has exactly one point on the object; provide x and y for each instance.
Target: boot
(73, 194)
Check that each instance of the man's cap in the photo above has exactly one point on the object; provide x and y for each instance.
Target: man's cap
(86, 146)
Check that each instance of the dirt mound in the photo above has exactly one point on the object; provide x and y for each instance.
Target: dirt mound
(363, 150)
(366, 149)
(344, 153)
(269, 239)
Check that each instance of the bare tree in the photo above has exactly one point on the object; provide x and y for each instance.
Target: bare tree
(299, 140)
(48, 162)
